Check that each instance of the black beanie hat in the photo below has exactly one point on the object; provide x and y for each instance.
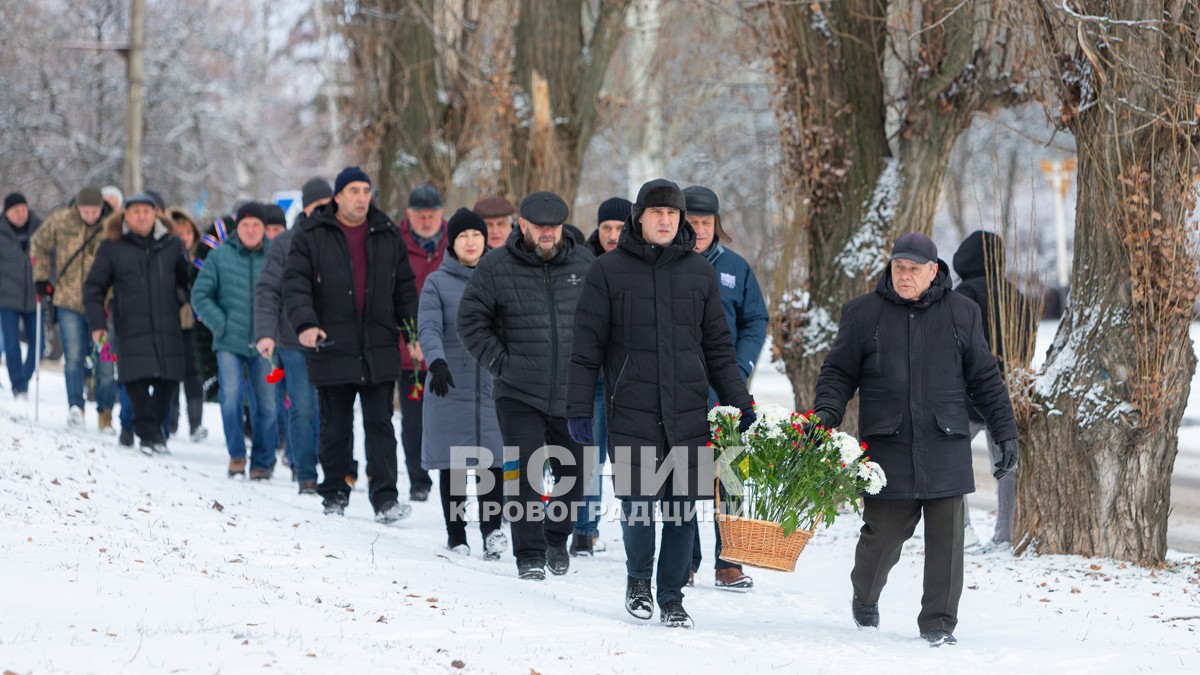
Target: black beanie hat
(275, 215)
(464, 219)
(14, 199)
(350, 174)
(251, 210)
(314, 189)
(614, 208)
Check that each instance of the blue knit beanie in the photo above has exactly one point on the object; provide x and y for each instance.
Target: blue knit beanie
(350, 174)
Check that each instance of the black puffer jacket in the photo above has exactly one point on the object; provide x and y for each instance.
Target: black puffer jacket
(149, 280)
(516, 317)
(318, 291)
(916, 365)
(651, 317)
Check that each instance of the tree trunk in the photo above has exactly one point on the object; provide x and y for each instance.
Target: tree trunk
(1095, 472)
(559, 70)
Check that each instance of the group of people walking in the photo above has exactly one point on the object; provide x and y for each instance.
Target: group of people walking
(525, 356)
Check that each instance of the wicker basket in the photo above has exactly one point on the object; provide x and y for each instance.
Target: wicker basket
(760, 543)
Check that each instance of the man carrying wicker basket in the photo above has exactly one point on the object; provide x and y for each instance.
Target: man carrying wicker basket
(650, 315)
(917, 355)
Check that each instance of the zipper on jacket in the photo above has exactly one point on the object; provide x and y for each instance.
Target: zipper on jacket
(617, 382)
(478, 401)
(553, 340)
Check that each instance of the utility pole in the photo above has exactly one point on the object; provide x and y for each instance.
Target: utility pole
(133, 109)
(134, 77)
(1059, 174)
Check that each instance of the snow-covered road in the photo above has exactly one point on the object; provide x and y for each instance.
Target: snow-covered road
(118, 562)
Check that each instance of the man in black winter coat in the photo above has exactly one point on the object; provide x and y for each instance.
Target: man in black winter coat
(916, 353)
(147, 270)
(347, 289)
(515, 319)
(979, 262)
(651, 317)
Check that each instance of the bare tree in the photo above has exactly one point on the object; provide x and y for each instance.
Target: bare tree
(870, 97)
(1095, 476)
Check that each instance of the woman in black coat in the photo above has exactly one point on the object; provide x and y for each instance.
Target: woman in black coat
(146, 269)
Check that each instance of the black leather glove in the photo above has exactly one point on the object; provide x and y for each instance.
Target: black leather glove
(580, 429)
(1008, 459)
(823, 418)
(439, 377)
(44, 289)
(748, 418)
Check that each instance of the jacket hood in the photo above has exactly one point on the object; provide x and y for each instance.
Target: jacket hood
(327, 215)
(972, 256)
(593, 242)
(631, 240)
(115, 227)
(453, 267)
(937, 290)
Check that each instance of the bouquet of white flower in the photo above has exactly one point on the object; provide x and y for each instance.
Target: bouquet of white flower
(788, 472)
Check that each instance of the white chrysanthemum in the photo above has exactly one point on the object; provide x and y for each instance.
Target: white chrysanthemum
(721, 410)
(873, 473)
(772, 422)
(848, 446)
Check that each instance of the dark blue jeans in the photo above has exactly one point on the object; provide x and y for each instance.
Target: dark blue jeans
(231, 369)
(10, 327)
(303, 417)
(77, 345)
(638, 524)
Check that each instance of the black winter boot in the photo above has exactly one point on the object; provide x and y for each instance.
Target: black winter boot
(637, 598)
(674, 615)
(865, 616)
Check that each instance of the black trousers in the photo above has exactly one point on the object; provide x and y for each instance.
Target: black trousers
(151, 400)
(411, 428)
(453, 488)
(887, 524)
(336, 445)
(537, 524)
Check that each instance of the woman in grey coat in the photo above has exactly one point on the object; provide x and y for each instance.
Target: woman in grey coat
(461, 412)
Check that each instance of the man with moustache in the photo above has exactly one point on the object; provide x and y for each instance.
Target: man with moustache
(497, 215)
(516, 319)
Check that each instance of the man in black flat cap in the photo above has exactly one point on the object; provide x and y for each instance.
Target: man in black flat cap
(917, 355)
(516, 319)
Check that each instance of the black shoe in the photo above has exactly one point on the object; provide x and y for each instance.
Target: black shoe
(675, 616)
(392, 512)
(865, 616)
(335, 507)
(937, 638)
(637, 598)
(581, 544)
(126, 438)
(557, 559)
(147, 448)
(531, 569)
(418, 495)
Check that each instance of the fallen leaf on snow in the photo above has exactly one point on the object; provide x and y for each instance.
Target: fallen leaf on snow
(55, 482)
(143, 509)
(430, 599)
(84, 495)
(381, 619)
(456, 663)
(217, 505)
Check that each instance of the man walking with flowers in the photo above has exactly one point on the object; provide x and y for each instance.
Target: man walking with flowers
(917, 354)
(650, 315)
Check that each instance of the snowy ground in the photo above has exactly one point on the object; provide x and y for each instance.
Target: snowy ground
(114, 561)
